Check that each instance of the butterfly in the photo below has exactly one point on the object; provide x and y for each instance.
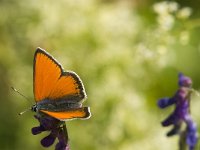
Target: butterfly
(57, 93)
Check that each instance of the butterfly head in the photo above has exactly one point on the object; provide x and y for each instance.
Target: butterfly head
(34, 108)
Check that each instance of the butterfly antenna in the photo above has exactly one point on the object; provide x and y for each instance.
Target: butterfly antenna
(21, 113)
(14, 89)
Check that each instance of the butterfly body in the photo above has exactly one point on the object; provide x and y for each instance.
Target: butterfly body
(58, 105)
(57, 93)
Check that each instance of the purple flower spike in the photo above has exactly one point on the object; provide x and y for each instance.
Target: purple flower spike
(175, 130)
(164, 102)
(37, 130)
(62, 144)
(184, 81)
(57, 130)
(172, 119)
(48, 140)
(181, 114)
(191, 137)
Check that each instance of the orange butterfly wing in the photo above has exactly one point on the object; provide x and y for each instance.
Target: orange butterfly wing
(51, 82)
(83, 112)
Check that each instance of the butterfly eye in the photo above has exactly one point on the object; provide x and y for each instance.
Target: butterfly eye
(34, 108)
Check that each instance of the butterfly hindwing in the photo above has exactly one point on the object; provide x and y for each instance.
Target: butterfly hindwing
(83, 113)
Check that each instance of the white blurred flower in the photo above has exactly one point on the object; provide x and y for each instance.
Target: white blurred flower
(161, 8)
(165, 7)
(165, 17)
(161, 49)
(184, 37)
(184, 13)
(166, 22)
(173, 6)
(145, 52)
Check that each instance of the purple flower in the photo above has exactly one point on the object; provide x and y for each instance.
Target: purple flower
(181, 113)
(56, 128)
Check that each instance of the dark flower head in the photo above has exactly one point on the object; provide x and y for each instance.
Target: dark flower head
(181, 113)
(184, 81)
(164, 102)
(62, 145)
(48, 140)
(56, 128)
(192, 136)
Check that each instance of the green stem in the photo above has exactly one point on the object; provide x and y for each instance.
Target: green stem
(182, 143)
(65, 131)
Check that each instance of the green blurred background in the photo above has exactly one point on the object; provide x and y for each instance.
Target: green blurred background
(128, 54)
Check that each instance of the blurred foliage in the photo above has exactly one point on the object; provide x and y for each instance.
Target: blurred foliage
(128, 54)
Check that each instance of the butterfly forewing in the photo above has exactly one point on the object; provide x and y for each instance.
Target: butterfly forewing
(68, 84)
(50, 82)
(46, 74)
